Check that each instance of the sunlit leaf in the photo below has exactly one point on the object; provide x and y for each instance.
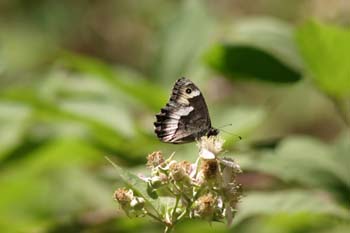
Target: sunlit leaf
(14, 119)
(326, 51)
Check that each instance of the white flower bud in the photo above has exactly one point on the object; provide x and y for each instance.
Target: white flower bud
(137, 203)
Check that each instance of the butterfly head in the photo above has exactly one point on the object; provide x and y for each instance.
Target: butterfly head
(213, 132)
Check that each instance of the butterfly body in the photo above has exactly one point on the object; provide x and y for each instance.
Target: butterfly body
(185, 118)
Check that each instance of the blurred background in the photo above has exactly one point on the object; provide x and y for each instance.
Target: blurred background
(81, 80)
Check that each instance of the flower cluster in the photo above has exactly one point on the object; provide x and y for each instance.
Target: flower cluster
(206, 189)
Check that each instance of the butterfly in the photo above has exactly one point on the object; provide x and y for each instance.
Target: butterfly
(185, 118)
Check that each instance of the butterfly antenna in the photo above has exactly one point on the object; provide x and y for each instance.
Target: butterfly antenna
(224, 126)
(221, 128)
(236, 135)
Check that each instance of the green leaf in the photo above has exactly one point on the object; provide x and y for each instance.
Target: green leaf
(58, 121)
(261, 49)
(310, 162)
(326, 52)
(290, 223)
(91, 98)
(142, 90)
(47, 110)
(14, 119)
(49, 182)
(290, 201)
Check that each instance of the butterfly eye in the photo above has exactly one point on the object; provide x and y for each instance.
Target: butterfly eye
(188, 91)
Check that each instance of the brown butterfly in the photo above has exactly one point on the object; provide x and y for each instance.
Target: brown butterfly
(185, 118)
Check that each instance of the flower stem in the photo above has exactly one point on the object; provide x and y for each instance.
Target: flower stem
(174, 210)
(155, 217)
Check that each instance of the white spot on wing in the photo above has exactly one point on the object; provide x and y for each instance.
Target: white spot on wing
(184, 111)
(167, 138)
(170, 128)
(174, 116)
(182, 99)
(194, 93)
(171, 121)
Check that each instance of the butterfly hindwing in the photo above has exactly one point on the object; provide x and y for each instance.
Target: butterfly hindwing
(185, 117)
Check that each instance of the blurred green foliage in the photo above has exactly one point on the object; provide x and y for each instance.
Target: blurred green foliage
(81, 80)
